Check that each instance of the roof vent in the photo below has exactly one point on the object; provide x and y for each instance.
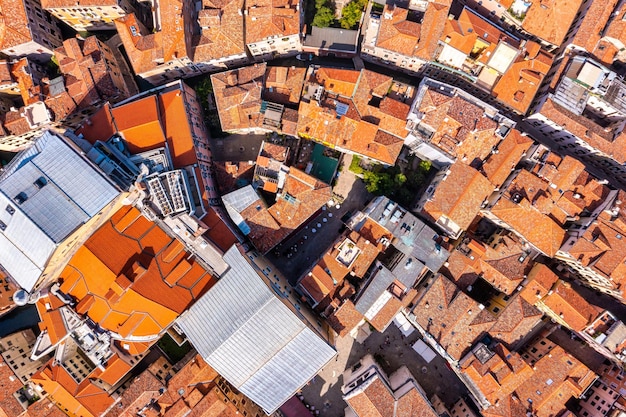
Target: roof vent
(21, 197)
(40, 182)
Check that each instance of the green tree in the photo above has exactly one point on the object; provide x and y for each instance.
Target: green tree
(323, 17)
(351, 14)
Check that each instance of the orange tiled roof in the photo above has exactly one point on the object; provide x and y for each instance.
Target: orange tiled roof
(452, 317)
(131, 262)
(267, 18)
(43, 408)
(138, 121)
(593, 23)
(541, 279)
(372, 132)
(551, 20)
(558, 377)
(500, 375)
(516, 321)
(238, 97)
(301, 197)
(9, 405)
(461, 128)
(221, 31)
(573, 309)
(539, 229)
(459, 196)
(14, 25)
(283, 84)
(606, 140)
(345, 318)
(399, 34)
(498, 166)
(376, 400)
(144, 49)
(518, 86)
(84, 398)
(86, 71)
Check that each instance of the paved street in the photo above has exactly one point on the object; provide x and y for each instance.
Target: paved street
(236, 148)
(393, 351)
(301, 251)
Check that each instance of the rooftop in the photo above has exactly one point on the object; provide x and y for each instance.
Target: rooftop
(15, 30)
(458, 198)
(519, 84)
(283, 85)
(238, 97)
(350, 110)
(411, 236)
(48, 191)
(551, 21)
(413, 33)
(131, 262)
(453, 318)
(271, 19)
(88, 76)
(300, 197)
(236, 332)
(332, 38)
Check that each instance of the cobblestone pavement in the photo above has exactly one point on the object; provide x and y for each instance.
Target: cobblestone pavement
(392, 350)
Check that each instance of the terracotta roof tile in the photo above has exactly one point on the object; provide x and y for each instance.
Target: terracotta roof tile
(105, 256)
(376, 400)
(84, 64)
(14, 26)
(608, 141)
(573, 309)
(551, 20)
(518, 86)
(461, 128)
(345, 318)
(498, 166)
(452, 317)
(539, 229)
(300, 198)
(284, 84)
(10, 384)
(238, 97)
(459, 197)
(267, 18)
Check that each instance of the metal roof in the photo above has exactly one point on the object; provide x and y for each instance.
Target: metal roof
(332, 39)
(381, 280)
(236, 202)
(46, 193)
(252, 339)
(411, 235)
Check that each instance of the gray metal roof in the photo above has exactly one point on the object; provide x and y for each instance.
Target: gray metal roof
(332, 39)
(379, 283)
(58, 191)
(236, 202)
(252, 339)
(411, 235)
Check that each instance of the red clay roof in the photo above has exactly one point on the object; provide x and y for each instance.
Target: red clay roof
(131, 262)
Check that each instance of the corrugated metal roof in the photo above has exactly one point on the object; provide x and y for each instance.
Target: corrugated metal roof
(381, 280)
(51, 191)
(252, 339)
